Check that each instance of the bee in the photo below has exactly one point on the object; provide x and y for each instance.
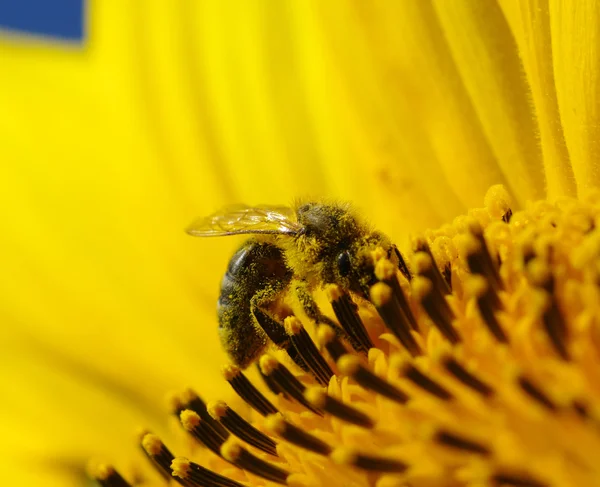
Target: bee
(292, 250)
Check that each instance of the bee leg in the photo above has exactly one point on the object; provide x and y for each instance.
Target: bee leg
(274, 330)
(396, 257)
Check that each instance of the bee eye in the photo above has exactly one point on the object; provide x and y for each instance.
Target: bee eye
(343, 263)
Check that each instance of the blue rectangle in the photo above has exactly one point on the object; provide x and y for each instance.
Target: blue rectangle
(61, 19)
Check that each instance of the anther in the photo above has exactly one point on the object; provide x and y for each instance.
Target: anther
(430, 271)
(320, 399)
(457, 442)
(327, 338)
(195, 475)
(190, 400)
(420, 379)
(308, 350)
(372, 463)
(397, 257)
(158, 453)
(478, 256)
(384, 271)
(487, 301)
(277, 334)
(200, 430)
(346, 312)
(246, 390)
(393, 316)
(234, 453)
(535, 393)
(238, 426)
(467, 378)
(350, 365)
(286, 381)
(106, 476)
(282, 428)
(436, 307)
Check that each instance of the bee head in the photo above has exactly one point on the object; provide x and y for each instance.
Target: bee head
(339, 246)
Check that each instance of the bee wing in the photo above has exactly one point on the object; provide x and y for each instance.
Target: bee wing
(240, 219)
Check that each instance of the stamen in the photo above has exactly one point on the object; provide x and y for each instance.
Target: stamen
(327, 338)
(158, 453)
(350, 365)
(195, 475)
(277, 334)
(478, 256)
(200, 430)
(237, 425)
(372, 463)
(420, 379)
(346, 312)
(535, 393)
(435, 306)
(286, 381)
(246, 390)
(320, 399)
(279, 426)
(553, 319)
(190, 400)
(487, 301)
(307, 350)
(242, 458)
(458, 442)
(384, 271)
(466, 377)
(430, 271)
(393, 316)
(106, 476)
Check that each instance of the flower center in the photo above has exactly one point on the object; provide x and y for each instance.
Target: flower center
(476, 364)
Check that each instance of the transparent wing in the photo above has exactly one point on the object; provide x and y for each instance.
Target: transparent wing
(240, 219)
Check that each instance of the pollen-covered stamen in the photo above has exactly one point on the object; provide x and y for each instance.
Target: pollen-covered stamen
(303, 343)
(188, 399)
(435, 305)
(554, 322)
(372, 463)
(478, 256)
(350, 365)
(195, 475)
(320, 399)
(385, 272)
(286, 381)
(327, 338)
(200, 430)
(487, 301)
(278, 335)
(158, 453)
(467, 378)
(346, 312)
(234, 453)
(388, 308)
(431, 271)
(284, 429)
(246, 390)
(238, 426)
(427, 384)
(458, 442)
(106, 476)
(535, 393)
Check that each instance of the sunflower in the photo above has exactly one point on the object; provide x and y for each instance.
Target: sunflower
(412, 110)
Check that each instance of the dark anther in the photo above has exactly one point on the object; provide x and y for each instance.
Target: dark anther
(535, 393)
(457, 442)
(346, 312)
(420, 379)
(466, 377)
(246, 390)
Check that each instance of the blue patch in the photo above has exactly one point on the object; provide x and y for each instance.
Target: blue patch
(62, 19)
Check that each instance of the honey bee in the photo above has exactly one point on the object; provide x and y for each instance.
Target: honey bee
(293, 250)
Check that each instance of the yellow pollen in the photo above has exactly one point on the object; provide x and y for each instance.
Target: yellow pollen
(421, 287)
(152, 444)
(275, 424)
(217, 409)
(231, 450)
(325, 334)
(180, 467)
(293, 325)
(316, 396)
(348, 364)
(343, 456)
(229, 371)
(333, 292)
(189, 419)
(384, 270)
(99, 471)
(380, 294)
(267, 364)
